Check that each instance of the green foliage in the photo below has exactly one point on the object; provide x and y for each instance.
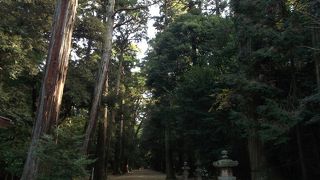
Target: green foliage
(60, 154)
(173, 53)
(203, 126)
(14, 145)
(185, 71)
(211, 80)
(23, 38)
(275, 122)
(309, 109)
(216, 81)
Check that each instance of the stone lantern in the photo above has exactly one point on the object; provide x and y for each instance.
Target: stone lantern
(225, 166)
(185, 169)
(198, 170)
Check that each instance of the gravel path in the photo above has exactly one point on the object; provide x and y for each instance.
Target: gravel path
(144, 174)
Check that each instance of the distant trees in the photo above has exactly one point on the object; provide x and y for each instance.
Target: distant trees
(255, 66)
(240, 75)
(185, 46)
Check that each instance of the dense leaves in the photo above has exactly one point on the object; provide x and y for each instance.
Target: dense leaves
(248, 76)
(241, 75)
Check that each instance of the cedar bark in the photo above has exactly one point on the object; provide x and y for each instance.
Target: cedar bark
(316, 55)
(301, 154)
(292, 105)
(170, 175)
(54, 80)
(314, 10)
(108, 141)
(112, 122)
(117, 168)
(102, 76)
(256, 156)
(169, 165)
(255, 145)
(101, 163)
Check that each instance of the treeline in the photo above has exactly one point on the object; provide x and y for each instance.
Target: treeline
(241, 75)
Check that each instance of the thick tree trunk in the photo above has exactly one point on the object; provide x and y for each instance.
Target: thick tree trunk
(112, 124)
(54, 80)
(100, 167)
(108, 142)
(99, 170)
(116, 160)
(102, 76)
(169, 165)
(316, 55)
(117, 164)
(313, 10)
(301, 154)
(256, 156)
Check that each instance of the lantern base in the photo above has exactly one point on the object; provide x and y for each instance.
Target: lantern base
(227, 178)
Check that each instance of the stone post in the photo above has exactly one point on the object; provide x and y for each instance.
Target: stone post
(225, 166)
(185, 169)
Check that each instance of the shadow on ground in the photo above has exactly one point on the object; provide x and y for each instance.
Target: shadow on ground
(144, 174)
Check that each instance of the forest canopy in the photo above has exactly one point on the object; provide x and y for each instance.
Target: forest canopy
(78, 101)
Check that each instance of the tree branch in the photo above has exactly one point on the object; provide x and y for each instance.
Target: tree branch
(312, 48)
(131, 9)
(123, 23)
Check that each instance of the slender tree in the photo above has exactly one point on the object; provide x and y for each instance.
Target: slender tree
(54, 80)
(117, 168)
(100, 167)
(102, 75)
(315, 7)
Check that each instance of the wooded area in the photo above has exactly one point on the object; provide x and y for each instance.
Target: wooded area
(77, 101)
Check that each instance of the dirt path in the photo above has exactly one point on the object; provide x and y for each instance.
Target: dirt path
(144, 174)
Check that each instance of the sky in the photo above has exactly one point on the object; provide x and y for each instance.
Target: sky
(151, 33)
(143, 45)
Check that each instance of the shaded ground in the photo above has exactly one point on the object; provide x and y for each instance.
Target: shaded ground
(144, 174)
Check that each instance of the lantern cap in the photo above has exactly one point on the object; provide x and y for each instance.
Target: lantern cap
(225, 162)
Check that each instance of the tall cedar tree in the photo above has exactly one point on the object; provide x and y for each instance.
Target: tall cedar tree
(54, 80)
(100, 86)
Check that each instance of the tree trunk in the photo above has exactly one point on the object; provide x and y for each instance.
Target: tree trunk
(117, 164)
(301, 155)
(34, 99)
(116, 160)
(121, 146)
(54, 80)
(102, 76)
(99, 172)
(314, 8)
(218, 11)
(100, 167)
(194, 54)
(256, 156)
(108, 142)
(89, 48)
(316, 55)
(169, 166)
